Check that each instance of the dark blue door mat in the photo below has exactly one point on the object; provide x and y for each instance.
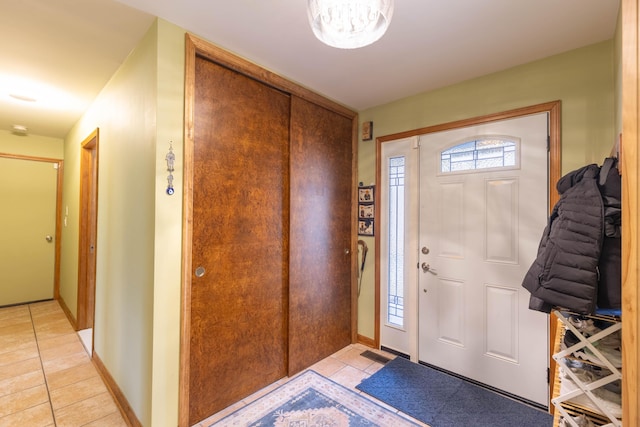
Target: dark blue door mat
(442, 400)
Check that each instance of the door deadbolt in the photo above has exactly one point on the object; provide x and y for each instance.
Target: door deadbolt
(425, 250)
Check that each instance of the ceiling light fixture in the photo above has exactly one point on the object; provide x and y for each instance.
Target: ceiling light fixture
(19, 130)
(31, 93)
(25, 98)
(349, 24)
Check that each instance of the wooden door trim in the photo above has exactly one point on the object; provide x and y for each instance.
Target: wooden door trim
(242, 66)
(354, 238)
(87, 230)
(187, 233)
(555, 172)
(58, 220)
(630, 161)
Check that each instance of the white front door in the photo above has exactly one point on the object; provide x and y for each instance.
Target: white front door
(483, 206)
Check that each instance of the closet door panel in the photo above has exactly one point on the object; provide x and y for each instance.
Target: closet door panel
(240, 229)
(320, 235)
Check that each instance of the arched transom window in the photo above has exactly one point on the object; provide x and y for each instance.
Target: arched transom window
(481, 153)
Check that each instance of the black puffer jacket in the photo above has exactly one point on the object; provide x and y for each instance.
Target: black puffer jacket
(565, 272)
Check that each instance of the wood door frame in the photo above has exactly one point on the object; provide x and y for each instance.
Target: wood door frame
(196, 47)
(555, 172)
(629, 155)
(59, 165)
(87, 247)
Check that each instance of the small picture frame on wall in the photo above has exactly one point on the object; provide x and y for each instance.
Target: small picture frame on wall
(366, 210)
(365, 227)
(366, 194)
(367, 131)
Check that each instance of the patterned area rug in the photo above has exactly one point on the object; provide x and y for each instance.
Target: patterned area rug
(311, 400)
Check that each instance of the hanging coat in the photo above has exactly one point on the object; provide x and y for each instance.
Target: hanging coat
(565, 271)
(610, 266)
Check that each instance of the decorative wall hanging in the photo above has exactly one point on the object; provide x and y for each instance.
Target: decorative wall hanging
(366, 210)
(367, 131)
(170, 158)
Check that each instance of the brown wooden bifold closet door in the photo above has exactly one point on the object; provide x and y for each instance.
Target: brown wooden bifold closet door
(321, 233)
(240, 238)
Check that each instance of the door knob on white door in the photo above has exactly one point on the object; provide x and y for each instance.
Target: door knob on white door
(427, 268)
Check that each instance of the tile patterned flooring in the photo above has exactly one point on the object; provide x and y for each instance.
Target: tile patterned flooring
(346, 367)
(46, 376)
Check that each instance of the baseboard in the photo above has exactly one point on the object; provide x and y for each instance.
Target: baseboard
(67, 313)
(121, 401)
(366, 341)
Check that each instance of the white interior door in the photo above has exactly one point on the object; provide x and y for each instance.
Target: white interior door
(480, 226)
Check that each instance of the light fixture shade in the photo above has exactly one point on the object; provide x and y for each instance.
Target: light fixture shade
(349, 24)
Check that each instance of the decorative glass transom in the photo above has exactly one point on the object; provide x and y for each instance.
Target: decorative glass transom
(482, 153)
(395, 296)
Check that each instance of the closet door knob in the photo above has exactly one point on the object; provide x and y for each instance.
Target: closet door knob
(200, 271)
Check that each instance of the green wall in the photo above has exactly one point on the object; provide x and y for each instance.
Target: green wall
(139, 226)
(582, 79)
(168, 231)
(617, 66)
(31, 145)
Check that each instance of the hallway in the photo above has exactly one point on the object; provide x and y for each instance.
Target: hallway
(46, 376)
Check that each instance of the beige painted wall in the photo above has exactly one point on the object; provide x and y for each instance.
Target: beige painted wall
(168, 233)
(617, 66)
(582, 79)
(137, 316)
(31, 145)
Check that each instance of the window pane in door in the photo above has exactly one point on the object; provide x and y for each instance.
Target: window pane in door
(481, 153)
(395, 297)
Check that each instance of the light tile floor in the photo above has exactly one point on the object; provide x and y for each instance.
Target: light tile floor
(346, 367)
(46, 376)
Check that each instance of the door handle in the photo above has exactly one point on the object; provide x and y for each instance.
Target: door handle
(427, 268)
(49, 239)
(200, 271)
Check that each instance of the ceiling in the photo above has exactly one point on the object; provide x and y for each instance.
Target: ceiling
(70, 48)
